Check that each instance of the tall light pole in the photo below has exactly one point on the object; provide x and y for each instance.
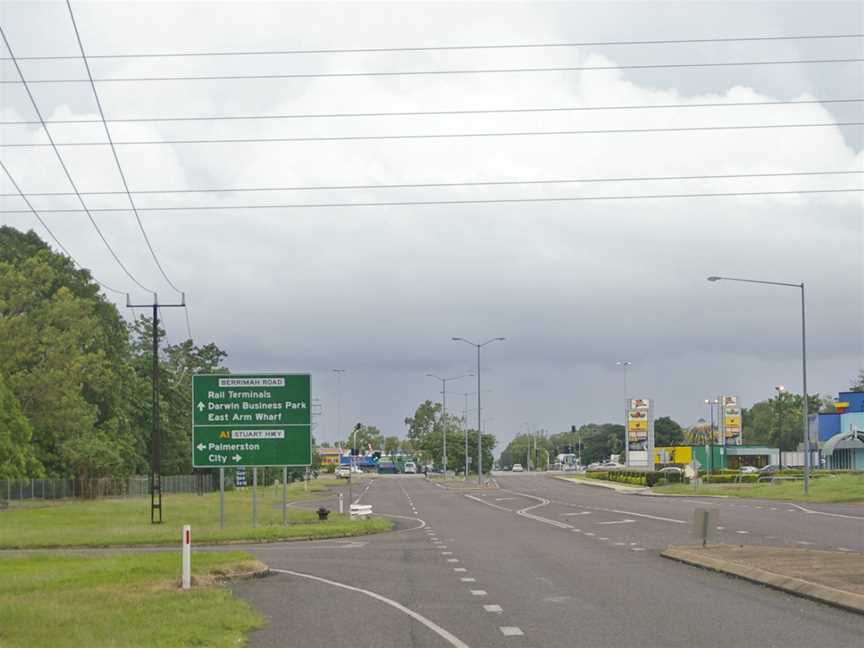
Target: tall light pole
(338, 373)
(465, 423)
(806, 414)
(779, 389)
(711, 403)
(444, 382)
(624, 364)
(479, 411)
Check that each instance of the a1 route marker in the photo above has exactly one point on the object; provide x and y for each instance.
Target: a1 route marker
(251, 420)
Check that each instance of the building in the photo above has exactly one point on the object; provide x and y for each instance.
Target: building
(329, 456)
(716, 457)
(840, 433)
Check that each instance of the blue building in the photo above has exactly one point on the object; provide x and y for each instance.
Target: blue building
(841, 433)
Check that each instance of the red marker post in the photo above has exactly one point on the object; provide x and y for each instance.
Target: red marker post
(187, 556)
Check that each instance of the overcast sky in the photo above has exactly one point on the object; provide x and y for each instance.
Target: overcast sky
(379, 291)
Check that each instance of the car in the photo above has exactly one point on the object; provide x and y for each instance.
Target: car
(410, 468)
(343, 472)
(749, 470)
(769, 469)
(517, 468)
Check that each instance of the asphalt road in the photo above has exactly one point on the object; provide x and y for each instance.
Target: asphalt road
(541, 562)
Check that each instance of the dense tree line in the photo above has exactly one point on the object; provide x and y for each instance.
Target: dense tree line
(75, 389)
(425, 438)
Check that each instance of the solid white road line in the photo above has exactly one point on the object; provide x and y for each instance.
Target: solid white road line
(812, 512)
(627, 521)
(645, 515)
(511, 631)
(578, 513)
(434, 627)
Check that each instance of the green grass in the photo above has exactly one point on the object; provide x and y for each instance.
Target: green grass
(840, 488)
(107, 522)
(120, 600)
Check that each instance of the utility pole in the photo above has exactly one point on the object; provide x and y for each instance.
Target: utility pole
(155, 431)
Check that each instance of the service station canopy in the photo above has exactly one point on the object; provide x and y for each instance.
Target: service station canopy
(251, 420)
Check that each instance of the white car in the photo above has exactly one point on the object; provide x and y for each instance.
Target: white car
(517, 468)
(343, 472)
(410, 467)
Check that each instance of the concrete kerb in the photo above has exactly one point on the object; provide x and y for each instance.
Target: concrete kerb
(596, 483)
(849, 601)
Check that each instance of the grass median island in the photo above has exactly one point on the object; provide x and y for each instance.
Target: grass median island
(126, 521)
(828, 488)
(127, 600)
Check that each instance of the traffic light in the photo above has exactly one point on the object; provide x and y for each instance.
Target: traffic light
(357, 427)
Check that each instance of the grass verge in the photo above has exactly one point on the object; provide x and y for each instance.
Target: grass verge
(836, 489)
(120, 600)
(107, 522)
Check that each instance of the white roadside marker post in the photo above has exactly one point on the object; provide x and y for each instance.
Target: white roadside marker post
(341, 504)
(187, 556)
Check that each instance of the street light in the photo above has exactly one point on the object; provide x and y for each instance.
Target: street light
(711, 403)
(779, 389)
(624, 364)
(806, 415)
(444, 382)
(479, 420)
(465, 395)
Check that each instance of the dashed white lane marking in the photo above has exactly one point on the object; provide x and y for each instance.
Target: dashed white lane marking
(720, 528)
(511, 631)
(637, 548)
(452, 560)
(602, 538)
(478, 592)
(743, 532)
(459, 569)
(446, 553)
(434, 627)
(627, 521)
(588, 533)
(803, 542)
(774, 508)
(468, 579)
(633, 544)
(577, 530)
(843, 549)
(493, 608)
(620, 544)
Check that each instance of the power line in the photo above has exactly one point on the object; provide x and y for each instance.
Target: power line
(368, 50)
(332, 75)
(408, 203)
(347, 138)
(114, 150)
(436, 112)
(63, 165)
(430, 185)
(35, 213)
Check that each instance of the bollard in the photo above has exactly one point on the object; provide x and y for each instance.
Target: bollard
(187, 556)
(341, 504)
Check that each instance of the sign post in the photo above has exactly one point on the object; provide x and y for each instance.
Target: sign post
(187, 557)
(284, 495)
(221, 498)
(253, 420)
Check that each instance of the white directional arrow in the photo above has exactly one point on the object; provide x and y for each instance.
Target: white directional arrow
(236, 457)
(200, 446)
(200, 406)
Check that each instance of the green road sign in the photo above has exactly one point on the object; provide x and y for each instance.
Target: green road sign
(251, 420)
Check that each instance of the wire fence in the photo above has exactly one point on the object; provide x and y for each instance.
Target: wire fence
(135, 486)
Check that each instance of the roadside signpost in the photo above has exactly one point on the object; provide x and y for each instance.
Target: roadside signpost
(256, 420)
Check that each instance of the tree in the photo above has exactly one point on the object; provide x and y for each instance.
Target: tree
(858, 385)
(391, 445)
(667, 432)
(777, 422)
(366, 435)
(17, 458)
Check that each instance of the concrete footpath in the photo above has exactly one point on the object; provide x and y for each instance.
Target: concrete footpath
(832, 577)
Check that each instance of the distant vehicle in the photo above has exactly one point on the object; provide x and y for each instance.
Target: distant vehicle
(410, 468)
(517, 468)
(671, 470)
(343, 472)
(769, 469)
(749, 470)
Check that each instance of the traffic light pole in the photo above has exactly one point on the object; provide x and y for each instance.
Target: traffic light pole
(155, 431)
